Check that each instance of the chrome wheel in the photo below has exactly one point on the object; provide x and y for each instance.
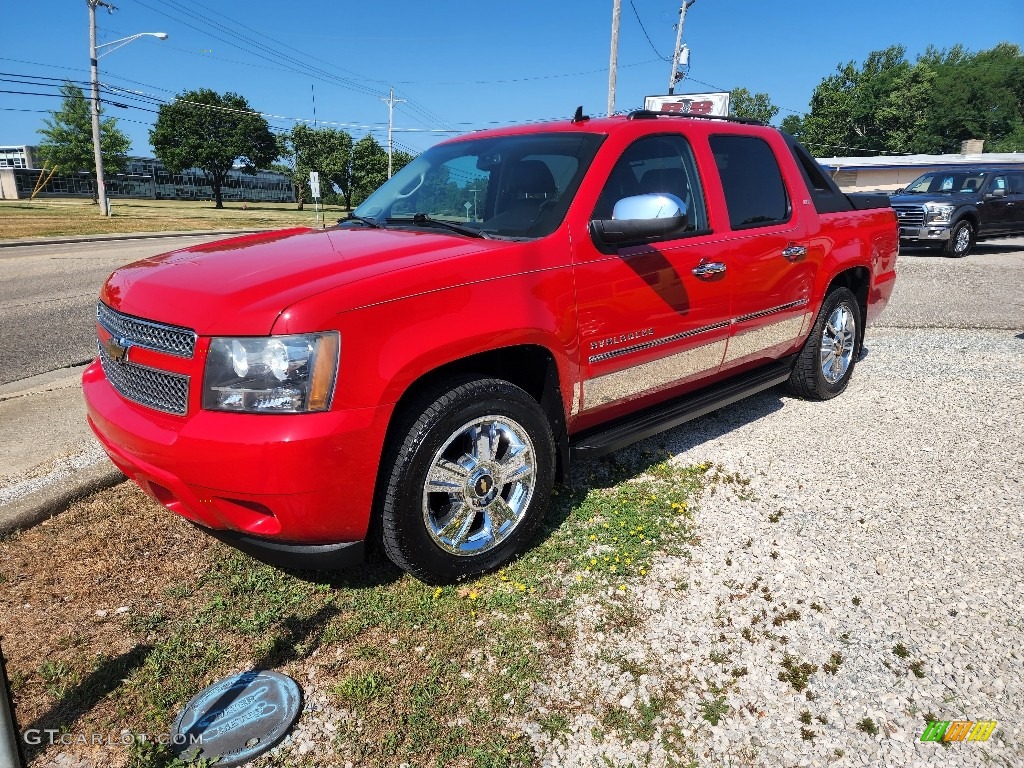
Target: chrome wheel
(963, 240)
(837, 343)
(479, 485)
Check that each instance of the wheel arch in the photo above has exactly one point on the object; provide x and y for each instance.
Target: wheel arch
(858, 281)
(531, 367)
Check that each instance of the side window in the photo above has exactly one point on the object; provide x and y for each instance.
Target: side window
(656, 164)
(754, 191)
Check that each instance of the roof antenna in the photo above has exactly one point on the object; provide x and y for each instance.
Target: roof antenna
(579, 117)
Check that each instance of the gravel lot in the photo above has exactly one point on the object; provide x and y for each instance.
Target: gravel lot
(883, 526)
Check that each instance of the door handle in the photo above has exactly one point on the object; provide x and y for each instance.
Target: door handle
(709, 268)
(794, 252)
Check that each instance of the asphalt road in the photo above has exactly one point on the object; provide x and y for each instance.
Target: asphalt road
(48, 295)
(983, 290)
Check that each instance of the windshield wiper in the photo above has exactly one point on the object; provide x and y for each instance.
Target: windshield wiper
(363, 220)
(423, 219)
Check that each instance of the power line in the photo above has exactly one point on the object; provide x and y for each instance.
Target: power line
(644, 30)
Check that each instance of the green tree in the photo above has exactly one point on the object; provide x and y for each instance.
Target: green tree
(369, 168)
(793, 125)
(213, 132)
(975, 96)
(327, 151)
(889, 105)
(67, 137)
(753, 106)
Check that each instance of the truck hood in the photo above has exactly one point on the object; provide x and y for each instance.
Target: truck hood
(955, 198)
(240, 286)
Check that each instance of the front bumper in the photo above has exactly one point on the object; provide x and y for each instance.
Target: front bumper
(928, 232)
(293, 489)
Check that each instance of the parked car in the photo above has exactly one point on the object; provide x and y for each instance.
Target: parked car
(511, 300)
(953, 209)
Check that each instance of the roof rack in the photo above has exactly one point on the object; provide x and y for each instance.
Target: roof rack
(647, 114)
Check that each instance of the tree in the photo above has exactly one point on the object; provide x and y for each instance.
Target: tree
(327, 151)
(369, 168)
(793, 125)
(212, 132)
(975, 96)
(753, 106)
(67, 137)
(889, 105)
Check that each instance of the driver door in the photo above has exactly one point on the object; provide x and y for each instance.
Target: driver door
(653, 318)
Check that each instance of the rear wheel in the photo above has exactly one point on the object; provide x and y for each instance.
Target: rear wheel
(960, 240)
(469, 482)
(825, 364)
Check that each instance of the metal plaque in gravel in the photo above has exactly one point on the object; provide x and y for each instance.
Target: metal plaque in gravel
(237, 718)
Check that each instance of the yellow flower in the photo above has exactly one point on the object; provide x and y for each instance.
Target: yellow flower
(437, 593)
(643, 571)
(622, 587)
(473, 595)
(593, 537)
(521, 587)
(612, 568)
(593, 561)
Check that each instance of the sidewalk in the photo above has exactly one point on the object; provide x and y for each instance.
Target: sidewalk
(48, 455)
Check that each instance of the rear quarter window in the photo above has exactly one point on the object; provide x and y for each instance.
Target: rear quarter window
(754, 191)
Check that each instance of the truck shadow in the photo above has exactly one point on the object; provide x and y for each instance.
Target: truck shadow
(635, 460)
(61, 718)
(981, 249)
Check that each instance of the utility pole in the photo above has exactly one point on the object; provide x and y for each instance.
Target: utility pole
(101, 188)
(613, 61)
(391, 101)
(675, 74)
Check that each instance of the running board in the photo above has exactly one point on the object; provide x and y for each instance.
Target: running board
(603, 440)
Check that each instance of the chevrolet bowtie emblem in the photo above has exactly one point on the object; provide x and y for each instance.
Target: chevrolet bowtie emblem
(117, 349)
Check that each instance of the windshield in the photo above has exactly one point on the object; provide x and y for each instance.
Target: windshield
(506, 186)
(947, 181)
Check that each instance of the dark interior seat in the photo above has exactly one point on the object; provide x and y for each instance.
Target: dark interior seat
(670, 180)
(529, 185)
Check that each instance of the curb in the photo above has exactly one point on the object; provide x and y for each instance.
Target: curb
(126, 236)
(53, 499)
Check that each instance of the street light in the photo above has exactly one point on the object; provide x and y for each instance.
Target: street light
(94, 56)
(125, 40)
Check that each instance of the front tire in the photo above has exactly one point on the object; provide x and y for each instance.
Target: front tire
(468, 480)
(961, 240)
(825, 364)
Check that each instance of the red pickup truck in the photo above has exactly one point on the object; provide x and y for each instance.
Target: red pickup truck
(426, 370)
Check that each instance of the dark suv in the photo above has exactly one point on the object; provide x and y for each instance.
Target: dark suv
(953, 209)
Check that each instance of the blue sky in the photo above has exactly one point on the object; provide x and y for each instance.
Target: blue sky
(461, 65)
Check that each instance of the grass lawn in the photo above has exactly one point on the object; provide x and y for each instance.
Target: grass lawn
(116, 612)
(48, 218)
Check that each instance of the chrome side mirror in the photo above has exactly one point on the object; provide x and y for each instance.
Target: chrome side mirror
(641, 218)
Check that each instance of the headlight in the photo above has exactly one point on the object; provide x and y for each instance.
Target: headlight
(274, 374)
(938, 212)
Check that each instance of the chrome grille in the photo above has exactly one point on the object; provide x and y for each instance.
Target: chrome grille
(146, 386)
(180, 342)
(909, 215)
